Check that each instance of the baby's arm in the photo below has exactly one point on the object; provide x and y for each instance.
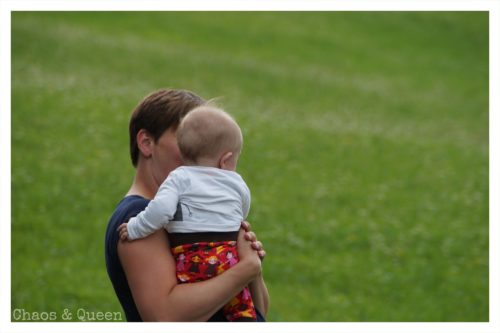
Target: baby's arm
(157, 214)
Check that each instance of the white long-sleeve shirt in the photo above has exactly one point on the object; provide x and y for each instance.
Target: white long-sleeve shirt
(195, 199)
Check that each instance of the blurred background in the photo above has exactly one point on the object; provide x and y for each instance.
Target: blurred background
(366, 151)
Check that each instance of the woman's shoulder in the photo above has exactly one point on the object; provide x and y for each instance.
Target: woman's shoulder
(132, 200)
(130, 206)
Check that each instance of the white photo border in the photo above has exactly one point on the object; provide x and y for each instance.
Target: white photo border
(9, 6)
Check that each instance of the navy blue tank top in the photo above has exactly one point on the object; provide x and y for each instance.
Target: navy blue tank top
(129, 207)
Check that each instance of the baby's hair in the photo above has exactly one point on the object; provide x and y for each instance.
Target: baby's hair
(207, 132)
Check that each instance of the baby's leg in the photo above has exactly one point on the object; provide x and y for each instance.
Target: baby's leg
(241, 307)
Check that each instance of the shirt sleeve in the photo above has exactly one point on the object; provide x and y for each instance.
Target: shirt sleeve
(159, 211)
(245, 198)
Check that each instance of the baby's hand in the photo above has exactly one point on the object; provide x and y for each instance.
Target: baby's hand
(122, 230)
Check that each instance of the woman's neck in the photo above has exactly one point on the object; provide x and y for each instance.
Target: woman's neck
(144, 184)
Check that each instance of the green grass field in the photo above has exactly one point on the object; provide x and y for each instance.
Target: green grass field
(366, 150)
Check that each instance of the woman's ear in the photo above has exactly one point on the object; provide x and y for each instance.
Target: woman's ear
(145, 143)
(225, 161)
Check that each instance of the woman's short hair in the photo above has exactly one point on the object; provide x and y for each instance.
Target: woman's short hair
(158, 112)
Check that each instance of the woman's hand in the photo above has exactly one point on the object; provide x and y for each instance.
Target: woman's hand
(248, 250)
(251, 237)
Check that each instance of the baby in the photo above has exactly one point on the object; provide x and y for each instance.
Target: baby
(202, 204)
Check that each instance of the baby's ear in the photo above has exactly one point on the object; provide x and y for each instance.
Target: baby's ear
(224, 161)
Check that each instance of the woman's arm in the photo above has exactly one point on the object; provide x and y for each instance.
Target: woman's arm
(258, 289)
(260, 295)
(150, 270)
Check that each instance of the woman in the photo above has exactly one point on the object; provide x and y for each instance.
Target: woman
(143, 271)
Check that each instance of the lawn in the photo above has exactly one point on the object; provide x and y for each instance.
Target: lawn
(366, 151)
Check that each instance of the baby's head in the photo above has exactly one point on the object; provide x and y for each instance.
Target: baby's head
(208, 136)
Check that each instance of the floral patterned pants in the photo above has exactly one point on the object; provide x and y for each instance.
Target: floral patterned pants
(202, 261)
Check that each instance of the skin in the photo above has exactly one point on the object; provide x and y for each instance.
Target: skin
(150, 267)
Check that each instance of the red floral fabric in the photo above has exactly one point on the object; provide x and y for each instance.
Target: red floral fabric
(202, 261)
